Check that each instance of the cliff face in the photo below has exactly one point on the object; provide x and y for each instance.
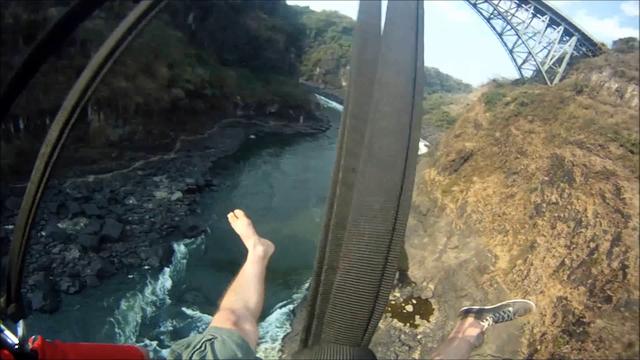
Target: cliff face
(533, 193)
(193, 65)
(327, 53)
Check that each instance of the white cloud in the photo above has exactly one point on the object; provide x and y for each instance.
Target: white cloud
(604, 29)
(631, 8)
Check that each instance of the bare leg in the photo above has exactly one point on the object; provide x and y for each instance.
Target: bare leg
(241, 305)
(466, 336)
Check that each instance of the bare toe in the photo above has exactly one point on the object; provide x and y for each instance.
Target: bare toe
(239, 213)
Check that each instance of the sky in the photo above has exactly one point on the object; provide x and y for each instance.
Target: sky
(458, 42)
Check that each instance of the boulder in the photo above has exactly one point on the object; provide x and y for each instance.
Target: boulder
(12, 203)
(93, 226)
(160, 194)
(100, 202)
(130, 200)
(165, 253)
(59, 235)
(43, 263)
(92, 281)
(71, 254)
(45, 302)
(91, 210)
(131, 260)
(190, 229)
(89, 241)
(69, 285)
(44, 298)
(73, 208)
(176, 196)
(111, 230)
(100, 268)
(60, 209)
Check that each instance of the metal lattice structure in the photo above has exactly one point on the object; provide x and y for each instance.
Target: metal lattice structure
(538, 38)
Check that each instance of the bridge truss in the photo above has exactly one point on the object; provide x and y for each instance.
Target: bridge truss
(538, 38)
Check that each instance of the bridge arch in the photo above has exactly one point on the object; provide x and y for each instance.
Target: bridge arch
(539, 39)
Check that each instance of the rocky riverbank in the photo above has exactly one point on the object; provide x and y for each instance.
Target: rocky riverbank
(90, 228)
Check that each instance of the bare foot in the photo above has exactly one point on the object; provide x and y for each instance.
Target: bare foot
(243, 226)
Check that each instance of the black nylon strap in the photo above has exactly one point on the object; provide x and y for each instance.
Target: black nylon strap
(363, 69)
(357, 273)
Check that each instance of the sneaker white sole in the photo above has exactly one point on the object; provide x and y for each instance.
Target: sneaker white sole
(499, 304)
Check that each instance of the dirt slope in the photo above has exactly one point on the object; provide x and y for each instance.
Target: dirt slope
(533, 194)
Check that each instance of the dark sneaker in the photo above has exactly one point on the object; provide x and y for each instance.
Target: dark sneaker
(498, 313)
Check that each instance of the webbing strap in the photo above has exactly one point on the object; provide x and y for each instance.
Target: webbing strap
(363, 68)
(11, 303)
(357, 273)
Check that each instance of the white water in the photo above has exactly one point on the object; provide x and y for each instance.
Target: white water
(277, 325)
(276, 185)
(138, 306)
(329, 103)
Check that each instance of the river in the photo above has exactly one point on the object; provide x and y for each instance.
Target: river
(283, 185)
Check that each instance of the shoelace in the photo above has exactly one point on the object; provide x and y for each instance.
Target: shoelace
(496, 318)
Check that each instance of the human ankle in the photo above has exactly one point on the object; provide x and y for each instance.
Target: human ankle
(470, 330)
(260, 251)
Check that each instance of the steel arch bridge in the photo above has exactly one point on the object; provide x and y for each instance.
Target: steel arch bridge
(539, 40)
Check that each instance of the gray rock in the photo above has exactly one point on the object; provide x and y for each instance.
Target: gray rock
(74, 208)
(43, 263)
(92, 281)
(130, 200)
(71, 254)
(12, 203)
(45, 302)
(161, 194)
(190, 229)
(93, 226)
(176, 195)
(91, 210)
(89, 241)
(111, 230)
(45, 298)
(99, 268)
(59, 235)
(100, 202)
(61, 210)
(131, 260)
(69, 285)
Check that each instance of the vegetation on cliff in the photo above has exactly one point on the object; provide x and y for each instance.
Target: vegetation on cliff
(327, 53)
(534, 193)
(445, 99)
(438, 82)
(195, 63)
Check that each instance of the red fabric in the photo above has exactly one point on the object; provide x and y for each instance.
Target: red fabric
(6, 355)
(48, 350)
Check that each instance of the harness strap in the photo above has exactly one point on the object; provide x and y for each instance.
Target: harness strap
(356, 273)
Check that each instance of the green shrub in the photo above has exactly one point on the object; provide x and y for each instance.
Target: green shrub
(492, 98)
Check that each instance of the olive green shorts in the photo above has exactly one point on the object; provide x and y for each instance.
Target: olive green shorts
(214, 343)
